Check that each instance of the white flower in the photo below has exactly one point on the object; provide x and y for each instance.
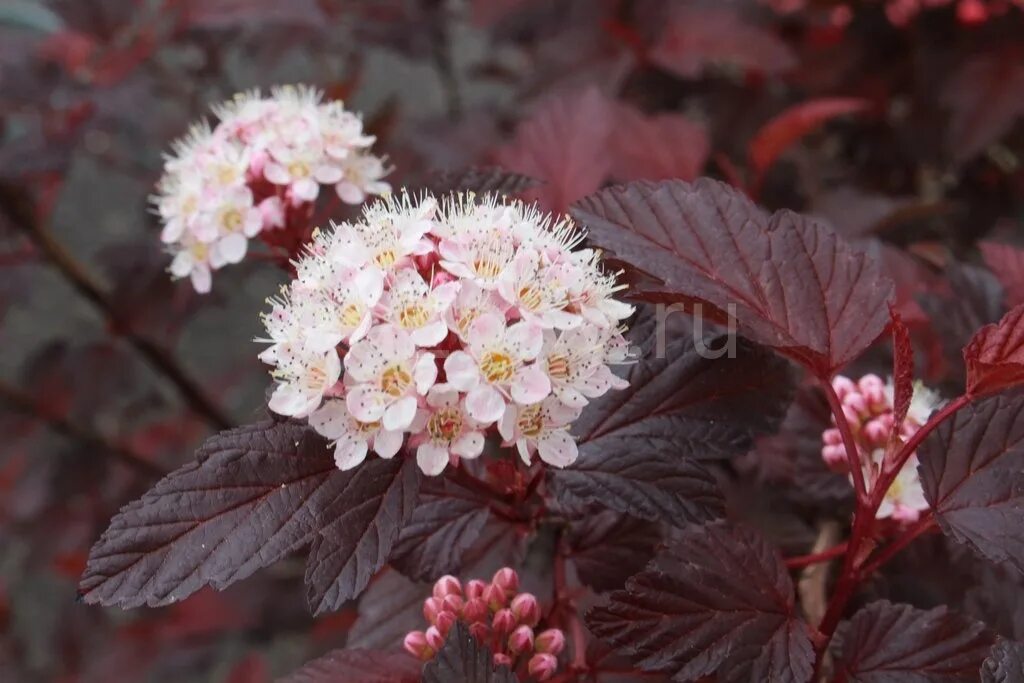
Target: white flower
(539, 289)
(444, 429)
(300, 168)
(388, 235)
(593, 292)
(470, 303)
(352, 438)
(413, 306)
(385, 375)
(343, 311)
(904, 501)
(576, 363)
(495, 369)
(303, 379)
(541, 428)
(360, 175)
(192, 260)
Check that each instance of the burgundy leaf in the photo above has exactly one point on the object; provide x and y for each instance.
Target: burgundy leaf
(657, 147)
(607, 548)
(465, 660)
(1008, 264)
(696, 37)
(358, 529)
(781, 132)
(995, 356)
(359, 666)
(638, 446)
(972, 471)
(564, 144)
(481, 180)
(985, 96)
(251, 498)
(793, 283)
(902, 369)
(1005, 664)
(717, 599)
(447, 520)
(390, 608)
(887, 643)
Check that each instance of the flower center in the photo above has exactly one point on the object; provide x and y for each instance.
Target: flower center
(385, 258)
(351, 315)
(497, 366)
(298, 169)
(558, 367)
(531, 297)
(530, 421)
(227, 174)
(395, 380)
(199, 251)
(413, 316)
(232, 220)
(445, 424)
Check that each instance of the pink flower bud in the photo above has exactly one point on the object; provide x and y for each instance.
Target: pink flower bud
(480, 631)
(434, 638)
(415, 643)
(495, 597)
(447, 585)
(843, 386)
(521, 640)
(453, 604)
(502, 660)
(445, 621)
(504, 621)
(852, 417)
(475, 589)
(507, 579)
(551, 641)
(868, 383)
(431, 608)
(476, 610)
(526, 609)
(832, 437)
(876, 433)
(857, 403)
(542, 666)
(834, 456)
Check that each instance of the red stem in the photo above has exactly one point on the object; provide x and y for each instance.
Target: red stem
(801, 561)
(852, 452)
(922, 526)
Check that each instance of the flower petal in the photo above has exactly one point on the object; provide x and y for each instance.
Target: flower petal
(461, 371)
(386, 443)
(469, 445)
(432, 459)
(399, 414)
(485, 404)
(331, 420)
(349, 454)
(366, 403)
(424, 373)
(557, 448)
(530, 385)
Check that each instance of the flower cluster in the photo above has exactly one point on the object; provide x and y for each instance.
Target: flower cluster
(441, 323)
(868, 407)
(497, 615)
(263, 163)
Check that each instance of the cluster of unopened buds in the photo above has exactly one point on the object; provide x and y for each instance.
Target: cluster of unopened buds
(902, 12)
(497, 616)
(442, 323)
(259, 169)
(868, 408)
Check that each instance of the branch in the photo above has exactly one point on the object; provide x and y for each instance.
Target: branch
(801, 561)
(18, 209)
(852, 452)
(31, 407)
(922, 526)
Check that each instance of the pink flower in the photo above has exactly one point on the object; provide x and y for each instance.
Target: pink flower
(299, 168)
(541, 428)
(539, 290)
(495, 368)
(445, 429)
(303, 380)
(359, 176)
(352, 438)
(575, 363)
(418, 309)
(192, 260)
(385, 375)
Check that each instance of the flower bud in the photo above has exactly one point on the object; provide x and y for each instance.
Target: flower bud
(502, 660)
(476, 610)
(447, 585)
(475, 589)
(445, 621)
(852, 417)
(843, 386)
(507, 579)
(526, 609)
(857, 403)
(520, 640)
(480, 631)
(504, 621)
(869, 383)
(434, 638)
(495, 597)
(415, 643)
(551, 641)
(834, 456)
(832, 437)
(453, 604)
(542, 666)
(876, 433)
(431, 608)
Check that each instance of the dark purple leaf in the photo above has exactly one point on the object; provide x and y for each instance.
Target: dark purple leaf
(985, 96)
(717, 599)
(251, 498)
(1007, 262)
(358, 529)
(1005, 664)
(972, 471)
(995, 355)
(447, 520)
(638, 446)
(607, 548)
(902, 369)
(657, 147)
(359, 666)
(887, 643)
(391, 607)
(793, 284)
(463, 659)
(481, 180)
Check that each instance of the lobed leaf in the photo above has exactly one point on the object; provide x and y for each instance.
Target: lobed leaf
(463, 659)
(607, 548)
(887, 643)
(1005, 664)
(251, 497)
(791, 283)
(995, 355)
(445, 523)
(358, 529)
(717, 599)
(972, 472)
(656, 147)
(358, 666)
